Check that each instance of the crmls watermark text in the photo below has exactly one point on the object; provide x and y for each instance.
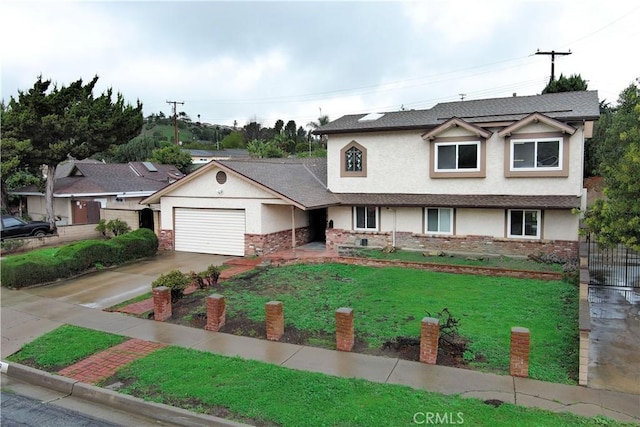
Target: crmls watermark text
(434, 418)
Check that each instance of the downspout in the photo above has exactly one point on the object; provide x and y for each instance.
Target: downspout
(293, 228)
(394, 229)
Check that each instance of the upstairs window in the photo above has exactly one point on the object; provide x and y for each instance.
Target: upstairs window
(458, 156)
(353, 160)
(365, 218)
(536, 154)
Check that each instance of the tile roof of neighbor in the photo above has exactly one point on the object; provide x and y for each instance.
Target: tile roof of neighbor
(304, 181)
(566, 106)
(109, 178)
(227, 152)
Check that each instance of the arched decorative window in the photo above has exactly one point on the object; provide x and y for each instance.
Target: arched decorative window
(353, 160)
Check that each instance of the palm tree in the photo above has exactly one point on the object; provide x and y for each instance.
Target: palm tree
(322, 120)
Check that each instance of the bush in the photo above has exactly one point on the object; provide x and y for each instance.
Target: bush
(33, 268)
(11, 246)
(116, 227)
(212, 273)
(175, 280)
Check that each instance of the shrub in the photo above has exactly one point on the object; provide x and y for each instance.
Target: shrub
(11, 246)
(32, 268)
(116, 227)
(212, 273)
(175, 280)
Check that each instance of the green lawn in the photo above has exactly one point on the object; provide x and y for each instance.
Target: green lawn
(265, 394)
(64, 346)
(390, 302)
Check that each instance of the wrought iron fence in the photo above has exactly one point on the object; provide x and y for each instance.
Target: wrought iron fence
(617, 266)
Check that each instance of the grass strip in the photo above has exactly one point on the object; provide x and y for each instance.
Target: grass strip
(271, 394)
(64, 346)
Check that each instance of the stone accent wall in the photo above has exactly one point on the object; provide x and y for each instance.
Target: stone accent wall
(161, 303)
(460, 244)
(275, 320)
(345, 332)
(519, 361)
(263, 244)
(216, 312)
(429, 335)
(165, 240)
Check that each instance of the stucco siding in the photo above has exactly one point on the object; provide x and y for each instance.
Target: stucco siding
(560, 225)
(206, 186)
(278, 218)
(480, 222)
(341, 216)
(398, 162)
(407, 219)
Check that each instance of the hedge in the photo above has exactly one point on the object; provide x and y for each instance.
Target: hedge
(31, 269)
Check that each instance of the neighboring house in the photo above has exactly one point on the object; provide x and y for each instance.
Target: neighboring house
(200, 157)
(499, 176)
(88, 190)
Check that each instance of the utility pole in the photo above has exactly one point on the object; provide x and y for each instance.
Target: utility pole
(175, 118)
(553, 54)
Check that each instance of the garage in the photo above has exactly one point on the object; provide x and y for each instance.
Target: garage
(210, 231)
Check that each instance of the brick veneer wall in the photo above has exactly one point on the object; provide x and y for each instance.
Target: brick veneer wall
(263, 244)
(466, 244)
(165, 240)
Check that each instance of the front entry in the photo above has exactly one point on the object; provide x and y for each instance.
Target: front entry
(317, 225)
(145, 219)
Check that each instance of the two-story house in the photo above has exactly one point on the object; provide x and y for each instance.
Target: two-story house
(499, 176)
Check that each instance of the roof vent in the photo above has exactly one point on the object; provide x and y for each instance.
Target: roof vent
(150, 167)
(371, 117)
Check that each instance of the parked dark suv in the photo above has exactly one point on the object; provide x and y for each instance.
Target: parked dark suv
(15, 227)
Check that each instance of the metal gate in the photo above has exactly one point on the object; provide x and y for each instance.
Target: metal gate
(616, 266)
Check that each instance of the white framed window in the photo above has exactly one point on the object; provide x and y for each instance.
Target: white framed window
(524, 223)
(438, 220)
(457, 156)
(536, 154)
(365, 218)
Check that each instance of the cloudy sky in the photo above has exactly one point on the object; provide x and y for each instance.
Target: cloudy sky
(241, 61)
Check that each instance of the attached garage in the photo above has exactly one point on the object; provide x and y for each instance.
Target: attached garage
(210, 231)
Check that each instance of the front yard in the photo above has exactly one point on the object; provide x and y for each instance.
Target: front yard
(390, 302)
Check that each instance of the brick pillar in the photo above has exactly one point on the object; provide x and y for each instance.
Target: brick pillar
(216, 312)
(519, 365)
(429, 335)
(275, 320)
(161, 303)
(344, 329)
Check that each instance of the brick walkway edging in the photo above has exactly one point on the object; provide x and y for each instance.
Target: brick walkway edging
(105, 364)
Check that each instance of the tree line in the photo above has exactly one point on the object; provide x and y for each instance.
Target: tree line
(48, 124)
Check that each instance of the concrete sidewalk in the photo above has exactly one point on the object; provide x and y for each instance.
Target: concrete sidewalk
(26, 316)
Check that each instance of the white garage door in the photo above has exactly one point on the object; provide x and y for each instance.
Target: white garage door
(210, 231)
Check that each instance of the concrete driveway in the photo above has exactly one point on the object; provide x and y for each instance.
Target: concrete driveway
(106, 288)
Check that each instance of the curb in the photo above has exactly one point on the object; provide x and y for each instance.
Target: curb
(113, 399)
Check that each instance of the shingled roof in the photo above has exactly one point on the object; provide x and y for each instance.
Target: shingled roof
(302, 181)
(109, 178)
(565, 106)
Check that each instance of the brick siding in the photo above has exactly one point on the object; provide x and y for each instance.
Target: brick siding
(461, 244)
(263, 244)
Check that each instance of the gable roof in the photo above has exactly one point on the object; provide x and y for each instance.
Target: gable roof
(88, 178)
(456, 122)
(301, 182)
(535, 118)
(564, 106)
